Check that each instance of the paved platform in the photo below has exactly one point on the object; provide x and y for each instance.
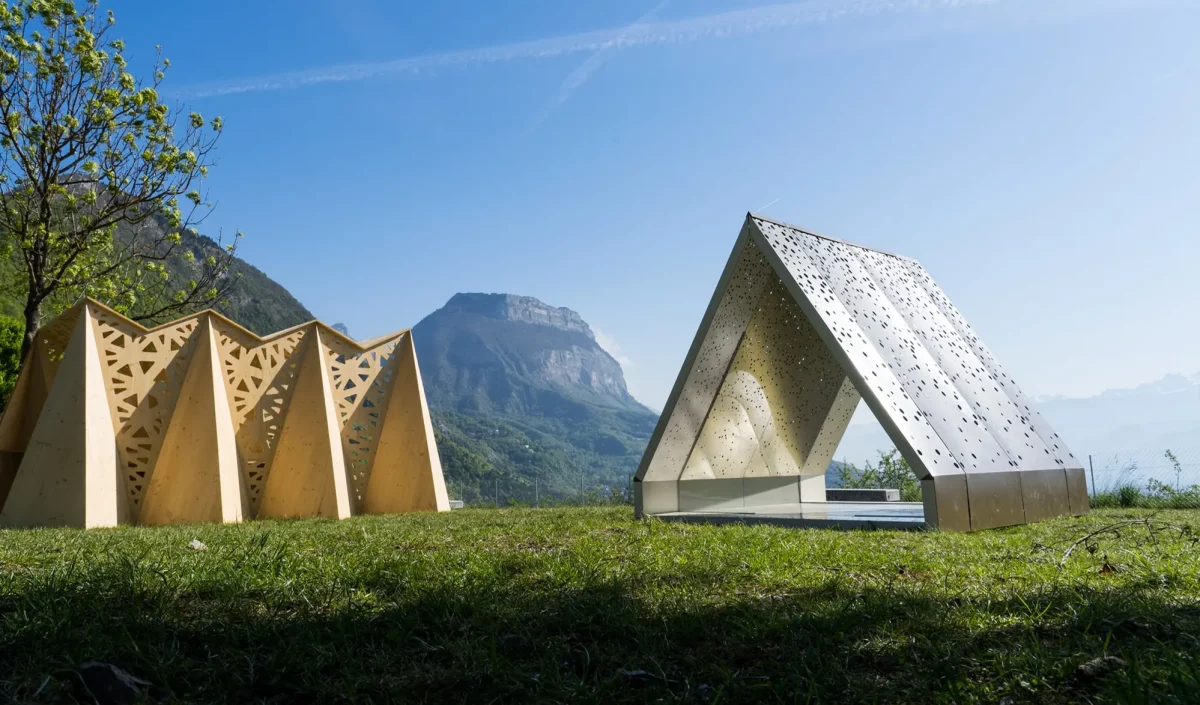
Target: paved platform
(817, 515)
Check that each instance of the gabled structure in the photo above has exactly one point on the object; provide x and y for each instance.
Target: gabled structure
(800, 327)
(200, 420)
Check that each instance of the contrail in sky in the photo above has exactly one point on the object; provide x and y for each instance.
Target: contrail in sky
(593, 63)
(760, 209)
(641, 33)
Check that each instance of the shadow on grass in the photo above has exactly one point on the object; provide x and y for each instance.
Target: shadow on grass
(521, 637)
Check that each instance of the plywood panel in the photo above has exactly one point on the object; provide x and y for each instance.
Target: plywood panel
(196, 477)
(69, 474)
(308, 476)
(406, 473)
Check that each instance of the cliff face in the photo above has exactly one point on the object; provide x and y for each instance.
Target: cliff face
(519, 309)
(500, 353)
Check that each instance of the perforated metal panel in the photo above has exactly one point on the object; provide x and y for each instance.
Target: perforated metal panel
(867, 361)
(784, 404)
(1027, 411)
(729, 313)
(798, 327)
(991, 408)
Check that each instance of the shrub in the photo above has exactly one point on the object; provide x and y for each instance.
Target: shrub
(1160, 494)
(1128, 496)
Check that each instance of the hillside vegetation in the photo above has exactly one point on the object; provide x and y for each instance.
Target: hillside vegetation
(255, 301)
(590, 606)
(485, 454)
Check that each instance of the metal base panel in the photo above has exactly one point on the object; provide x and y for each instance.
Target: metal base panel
(894, 516)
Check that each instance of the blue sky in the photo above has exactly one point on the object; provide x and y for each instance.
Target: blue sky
(1039, 157)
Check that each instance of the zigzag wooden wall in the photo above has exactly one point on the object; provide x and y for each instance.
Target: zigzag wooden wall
(199, 420)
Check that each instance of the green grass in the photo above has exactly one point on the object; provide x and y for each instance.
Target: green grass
(589, 606)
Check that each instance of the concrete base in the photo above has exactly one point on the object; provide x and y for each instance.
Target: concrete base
(816, 515)
(861, 495)
(456, 504)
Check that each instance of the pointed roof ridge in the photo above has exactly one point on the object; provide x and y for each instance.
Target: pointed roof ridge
(361, 346)
(806, 231)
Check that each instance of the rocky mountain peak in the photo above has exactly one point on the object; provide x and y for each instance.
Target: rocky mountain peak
(503, 353)
(522, 309)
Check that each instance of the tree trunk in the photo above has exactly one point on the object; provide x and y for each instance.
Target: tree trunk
(33, 320)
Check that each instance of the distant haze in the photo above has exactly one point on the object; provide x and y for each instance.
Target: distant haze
(1115, 427)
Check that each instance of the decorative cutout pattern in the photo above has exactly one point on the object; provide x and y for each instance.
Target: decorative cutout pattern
(259, 379)
(361, 381)
(143, 372)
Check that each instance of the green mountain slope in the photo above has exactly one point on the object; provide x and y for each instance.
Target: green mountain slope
(255, 301)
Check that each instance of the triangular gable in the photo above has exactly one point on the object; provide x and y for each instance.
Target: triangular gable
(799, 326)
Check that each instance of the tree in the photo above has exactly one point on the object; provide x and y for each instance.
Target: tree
(93, 167)
(891, 472)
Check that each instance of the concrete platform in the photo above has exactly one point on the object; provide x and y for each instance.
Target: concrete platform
(861, 495)
(904, 516)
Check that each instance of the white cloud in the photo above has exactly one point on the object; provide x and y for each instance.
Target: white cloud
(600, 42)
(610, 346)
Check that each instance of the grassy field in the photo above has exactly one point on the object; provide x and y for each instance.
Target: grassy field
(589, 606)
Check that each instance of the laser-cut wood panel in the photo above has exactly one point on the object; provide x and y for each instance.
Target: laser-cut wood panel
(259, 378)
(143, 372)
(196, 477)
(361, 380)
(193, 420)
(405, 474)
(308, 474)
